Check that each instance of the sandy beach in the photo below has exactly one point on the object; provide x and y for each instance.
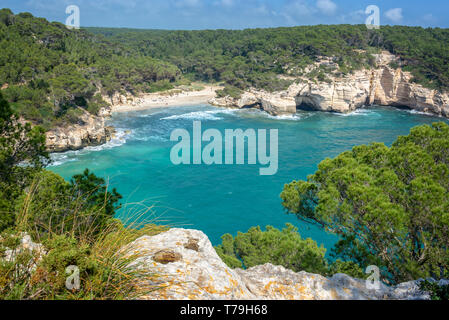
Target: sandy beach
(170, 98)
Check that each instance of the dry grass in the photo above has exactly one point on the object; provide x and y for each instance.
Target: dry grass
(115, 275)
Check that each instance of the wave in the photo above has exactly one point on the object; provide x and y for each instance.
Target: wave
(423, 113)
(289, 117)
(201, 115)
(214, 115)
(358, 112)
(143, 137)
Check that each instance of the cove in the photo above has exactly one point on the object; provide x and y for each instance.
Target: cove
(219, 199)
(213, 151)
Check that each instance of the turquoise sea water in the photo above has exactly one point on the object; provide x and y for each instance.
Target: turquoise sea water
(222, 199)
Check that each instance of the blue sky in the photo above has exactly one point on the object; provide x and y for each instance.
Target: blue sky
(235, 14)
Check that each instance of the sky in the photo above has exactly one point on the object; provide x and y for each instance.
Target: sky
(235, 14)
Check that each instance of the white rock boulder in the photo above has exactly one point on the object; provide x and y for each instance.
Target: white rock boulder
(190, 269)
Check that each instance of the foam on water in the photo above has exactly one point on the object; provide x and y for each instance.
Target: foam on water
(201, 115)
(118, 140)
(358, 112)
(291, 117)
(423, 113)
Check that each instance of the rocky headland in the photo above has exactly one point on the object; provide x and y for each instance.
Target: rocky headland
(386, 84)
(91, 130)
(189, 268)
(185, 266)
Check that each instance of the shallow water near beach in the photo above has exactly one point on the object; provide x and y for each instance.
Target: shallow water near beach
(221, 199)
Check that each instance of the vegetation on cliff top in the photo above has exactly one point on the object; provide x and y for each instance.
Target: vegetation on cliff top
(284, 248)
(46, 70)
(255, 57)
(73, 222)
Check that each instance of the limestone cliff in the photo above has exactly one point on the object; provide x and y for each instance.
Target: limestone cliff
(89, 131)
(382, 85)
(126, 98)
(189, 268)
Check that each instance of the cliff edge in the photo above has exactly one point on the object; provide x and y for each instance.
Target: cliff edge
(188, 268)
(90, 130)
(384, 85)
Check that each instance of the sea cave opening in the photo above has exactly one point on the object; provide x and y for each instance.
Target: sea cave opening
(304, 103)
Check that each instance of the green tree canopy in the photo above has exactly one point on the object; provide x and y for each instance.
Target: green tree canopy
(22, 153)
(285, 248)
(81, 207)
(390, 206)
(47, 70)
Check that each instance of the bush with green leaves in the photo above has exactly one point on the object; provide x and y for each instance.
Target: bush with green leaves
(72, 221)
(436, 291)
(285, 248)
(389, 206)
(19, 144)
(104, 269)
(79, 207)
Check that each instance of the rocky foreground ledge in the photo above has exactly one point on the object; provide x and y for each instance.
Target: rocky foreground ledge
(190, 269)
(381, 85)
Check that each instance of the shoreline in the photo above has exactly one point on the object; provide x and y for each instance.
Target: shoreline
(96, 132)
(165, 99)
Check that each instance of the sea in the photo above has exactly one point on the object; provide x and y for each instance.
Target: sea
(220, 199)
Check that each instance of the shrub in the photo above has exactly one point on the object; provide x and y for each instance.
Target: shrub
(161, 85)
(388, 205)
(104, 267)
(285, 248)
(231, 91)
(347, 267)
(436, 291)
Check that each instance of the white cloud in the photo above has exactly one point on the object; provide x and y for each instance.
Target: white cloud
(429, 18)
(298, 8)
(188, 3)
(262, 9)
(294, 12)
(394, 15)
(326, 6)
(354, 17)
(227, 3)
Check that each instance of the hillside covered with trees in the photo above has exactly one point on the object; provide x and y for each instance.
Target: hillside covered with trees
(47, 70)
(254, 57)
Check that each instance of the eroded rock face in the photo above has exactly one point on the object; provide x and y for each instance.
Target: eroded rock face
(382, 85)
(26, 244)
(196, 272)
(119, 99)
(90, 131)
(34, 251)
